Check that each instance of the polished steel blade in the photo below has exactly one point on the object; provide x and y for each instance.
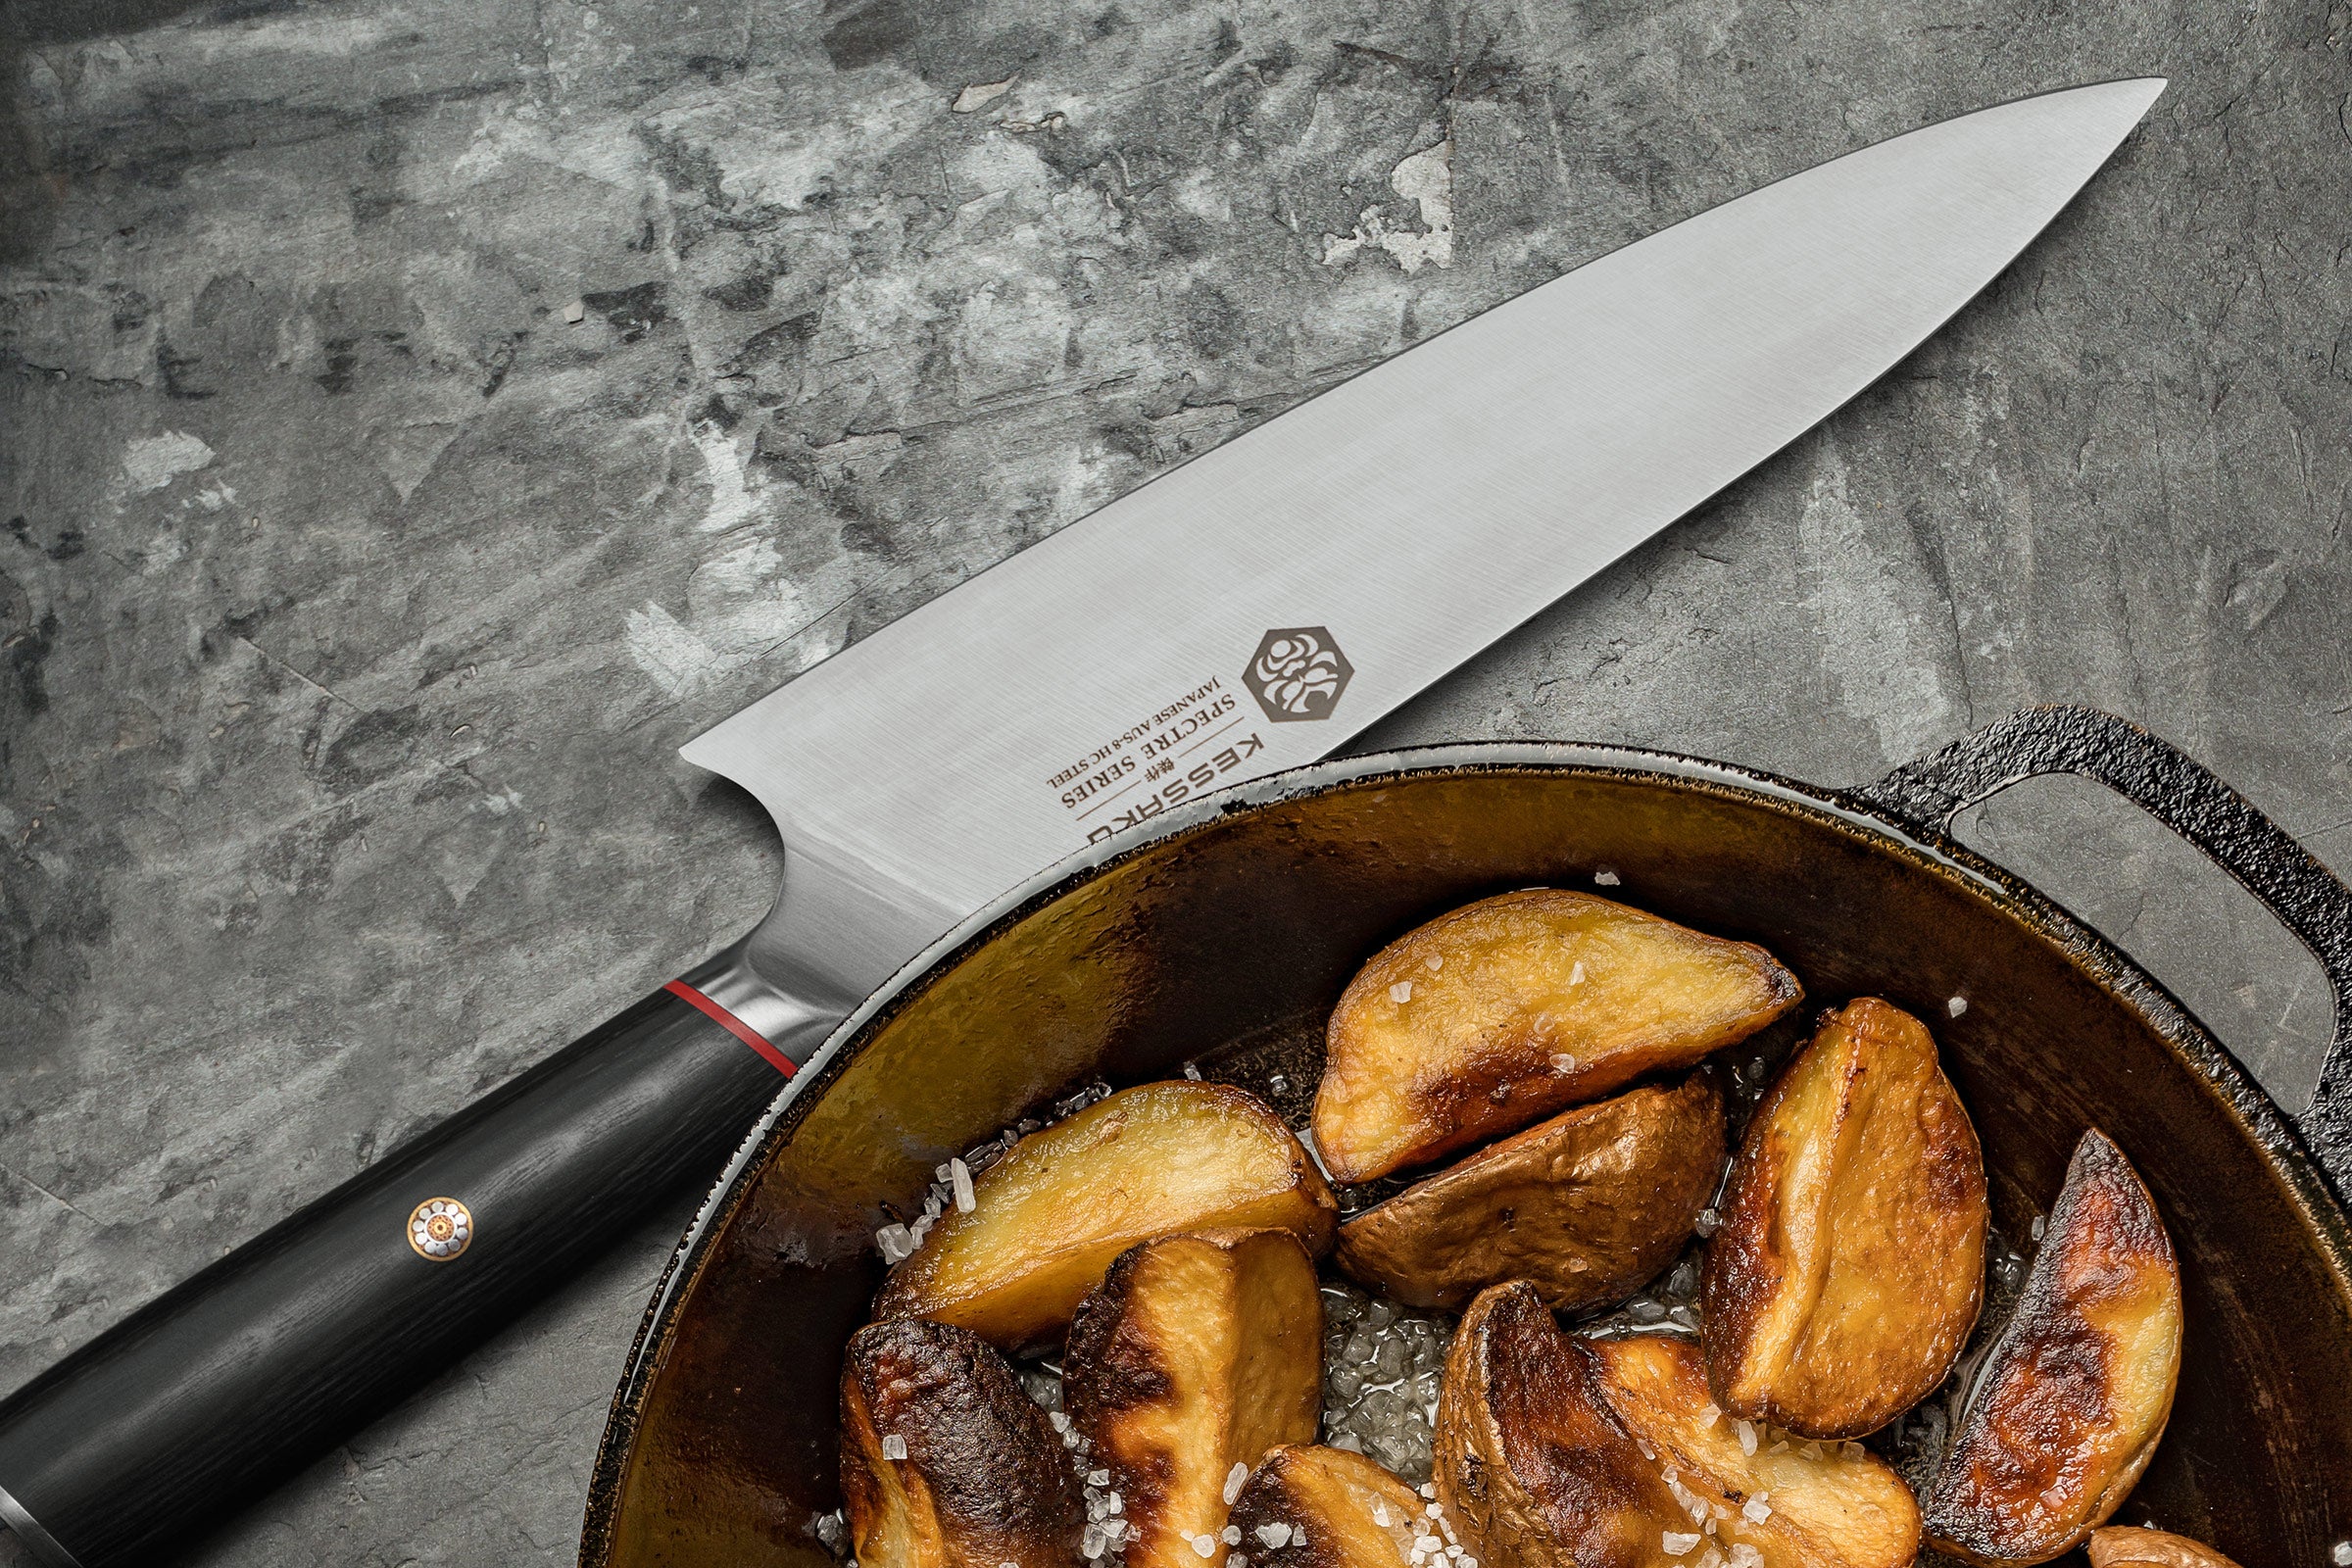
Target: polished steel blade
(1252, 609)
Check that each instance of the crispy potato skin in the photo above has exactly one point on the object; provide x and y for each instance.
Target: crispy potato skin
(1558, 1449)
(2123, 1547)
(1345, 1510)
(1531, 1466)
(1523, 978)
(1585, 1206)
(1050, 1215)
(2077, 1389)
(985, 1480)
(1851, 1266)
(1197, 1352)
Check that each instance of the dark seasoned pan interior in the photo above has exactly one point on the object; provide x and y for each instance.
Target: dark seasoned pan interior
(1233, 937)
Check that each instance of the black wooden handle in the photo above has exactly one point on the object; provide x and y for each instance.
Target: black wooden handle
(206, 1398)
(2187, 797)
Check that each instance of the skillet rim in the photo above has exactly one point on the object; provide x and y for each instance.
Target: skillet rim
(2326, 1219)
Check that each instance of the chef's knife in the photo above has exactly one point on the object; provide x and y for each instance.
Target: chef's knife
(1242, 615)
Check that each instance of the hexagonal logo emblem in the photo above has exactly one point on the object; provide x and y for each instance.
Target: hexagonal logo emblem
(1297, 674)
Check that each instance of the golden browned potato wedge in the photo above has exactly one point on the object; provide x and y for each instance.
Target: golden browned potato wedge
(945, 1461)
(1585, 1206)
(1195, 1355)
(1850, 1264)
(2122, 1546)
(1050, 1217)
(2077, 1390)
(1307, 1508)
(1607, 1453)
(1507, 1010)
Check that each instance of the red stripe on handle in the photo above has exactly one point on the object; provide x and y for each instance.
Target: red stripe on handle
(733, 1025)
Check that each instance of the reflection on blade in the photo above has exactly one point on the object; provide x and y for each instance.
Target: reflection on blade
(1252, 609)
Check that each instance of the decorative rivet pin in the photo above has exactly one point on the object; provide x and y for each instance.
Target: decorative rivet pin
(440, 1228)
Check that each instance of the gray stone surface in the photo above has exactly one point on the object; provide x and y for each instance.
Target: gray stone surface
(353, 601)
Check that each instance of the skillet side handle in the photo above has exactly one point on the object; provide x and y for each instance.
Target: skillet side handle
(2187, 797)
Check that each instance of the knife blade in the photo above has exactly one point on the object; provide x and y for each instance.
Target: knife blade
(1247, 611)
(1372, 538)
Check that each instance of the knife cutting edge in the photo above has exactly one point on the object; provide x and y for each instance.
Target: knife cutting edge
(1244, 613)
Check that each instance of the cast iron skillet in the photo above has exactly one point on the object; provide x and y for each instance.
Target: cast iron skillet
(1240, 920)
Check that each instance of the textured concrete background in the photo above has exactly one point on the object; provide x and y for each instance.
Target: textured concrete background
(353, 602)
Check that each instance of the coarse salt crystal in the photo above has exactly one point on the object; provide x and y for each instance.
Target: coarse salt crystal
(1605, 877)
(1097, 1478)
(1433, 1510)
(1204, 1546)
(1061, 1422)
(2041, 1227)
(1744, 1556)
(1575, 975)
(1780, 1446)
(1379, 1514)
(895, 1242)
(1710, 1414)
(1434, 963)
(1298, 1537)
(893, 1446)
(1091, 1545)
(1427, 1489)
(1192, 1072)
(1401, 991)
(1562, 1061)
(1231, 1535)
(1275, 1535)
(1747, 1436)
(1675, 1543)
(1956, 1007)
(1756, 1509)
(1235, 1559)
(577, 311)
(1233, 1488)
(1811, 1450)
(2342, 1554)
(960, 1176)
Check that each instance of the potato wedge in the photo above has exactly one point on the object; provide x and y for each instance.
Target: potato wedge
(1052, 1215)
(1822, 1503)
(945, 1461)
(1585, 1206)
(1195, 1355)
(1607, 1453)
(2123, 1547)
(1509, 1008)
(1532, 1467)
(2077, 1390)
(1851, 1266)
(1307, 1508)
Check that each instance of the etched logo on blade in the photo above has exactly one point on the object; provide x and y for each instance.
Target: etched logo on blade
(1299, 673)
